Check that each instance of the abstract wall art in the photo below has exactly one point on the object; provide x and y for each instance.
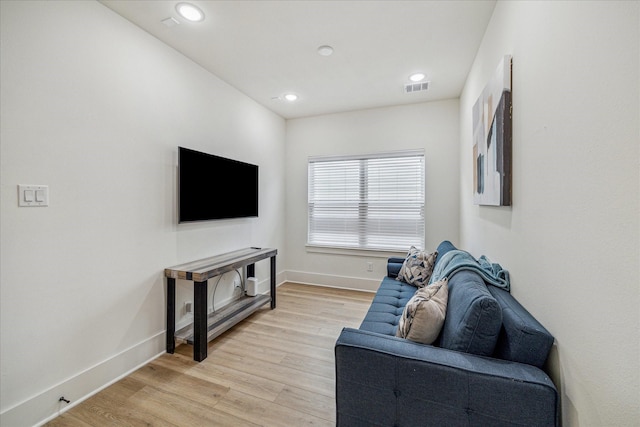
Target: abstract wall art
(492, 139)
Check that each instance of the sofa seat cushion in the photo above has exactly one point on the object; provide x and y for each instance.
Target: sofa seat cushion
(387, 306)
(474, 317)
(522, 338)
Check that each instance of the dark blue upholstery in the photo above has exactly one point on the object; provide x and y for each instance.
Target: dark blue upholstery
(387, 306)
(389, 381)
(443, 248)
(522, 338)
(393, 266)
(474, 317)
(382, 380)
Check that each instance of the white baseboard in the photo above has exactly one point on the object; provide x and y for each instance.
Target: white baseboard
(45, 406)
(343, 282)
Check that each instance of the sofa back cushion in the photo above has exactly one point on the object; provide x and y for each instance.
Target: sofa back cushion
(522, 338)
(444, 247)
(474, 317)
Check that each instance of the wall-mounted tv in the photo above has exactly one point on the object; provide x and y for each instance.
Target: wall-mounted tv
(212, 187)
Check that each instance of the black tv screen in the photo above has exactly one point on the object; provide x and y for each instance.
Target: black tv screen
(212, 187)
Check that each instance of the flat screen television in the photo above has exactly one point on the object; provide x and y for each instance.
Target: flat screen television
(212, 187)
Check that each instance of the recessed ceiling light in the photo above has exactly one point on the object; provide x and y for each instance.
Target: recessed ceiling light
(325, 50)
(416, 77)
(290, 97)
(190, 12)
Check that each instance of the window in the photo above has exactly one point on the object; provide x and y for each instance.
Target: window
(367, 202)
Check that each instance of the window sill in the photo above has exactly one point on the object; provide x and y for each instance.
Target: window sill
(371, 253)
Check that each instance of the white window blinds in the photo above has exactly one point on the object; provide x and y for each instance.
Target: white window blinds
(367, 202)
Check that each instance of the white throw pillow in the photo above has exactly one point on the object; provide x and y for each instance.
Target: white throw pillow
(424, 314)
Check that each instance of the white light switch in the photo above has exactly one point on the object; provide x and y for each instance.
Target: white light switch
(33, 195)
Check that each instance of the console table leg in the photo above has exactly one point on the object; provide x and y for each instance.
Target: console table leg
(200, 321)
(273, 282)
(171, 314)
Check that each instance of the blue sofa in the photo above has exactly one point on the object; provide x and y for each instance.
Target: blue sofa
(485, 368)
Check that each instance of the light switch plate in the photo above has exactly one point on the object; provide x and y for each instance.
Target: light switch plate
(33, 195)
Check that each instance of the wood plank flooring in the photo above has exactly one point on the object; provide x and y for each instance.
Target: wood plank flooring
(275, 368)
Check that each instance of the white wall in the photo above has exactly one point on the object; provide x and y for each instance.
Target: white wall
(571, 239)
(95, 108)
(432, 126)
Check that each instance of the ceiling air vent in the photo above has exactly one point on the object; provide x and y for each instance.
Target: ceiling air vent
(416, 87)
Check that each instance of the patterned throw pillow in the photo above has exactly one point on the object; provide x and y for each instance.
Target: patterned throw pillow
(417, 268)
(424, 314)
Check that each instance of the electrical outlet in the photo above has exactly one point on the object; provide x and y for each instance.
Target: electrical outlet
(188, 307)
(369, 266)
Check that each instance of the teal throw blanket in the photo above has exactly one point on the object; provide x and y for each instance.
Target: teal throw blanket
(456, 260)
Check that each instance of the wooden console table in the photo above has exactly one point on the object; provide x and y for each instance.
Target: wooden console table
(207, 327)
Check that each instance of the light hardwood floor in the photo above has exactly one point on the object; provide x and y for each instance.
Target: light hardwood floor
(275, 368)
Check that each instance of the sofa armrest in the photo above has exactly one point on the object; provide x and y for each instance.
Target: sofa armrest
(393, 266)
(384, 380)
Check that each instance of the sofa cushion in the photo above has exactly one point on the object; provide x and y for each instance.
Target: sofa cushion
(522, 338)
(417, 267)
(444, 247)
(474, 317)
(423, 316)
(387, 306)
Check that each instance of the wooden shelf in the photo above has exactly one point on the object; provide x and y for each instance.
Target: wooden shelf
(206, 268)
(205, 326)
(224, 318)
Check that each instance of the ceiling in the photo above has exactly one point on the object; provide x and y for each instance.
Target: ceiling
(268, 48)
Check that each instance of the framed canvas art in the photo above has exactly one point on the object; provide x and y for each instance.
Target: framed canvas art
(492, 139)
